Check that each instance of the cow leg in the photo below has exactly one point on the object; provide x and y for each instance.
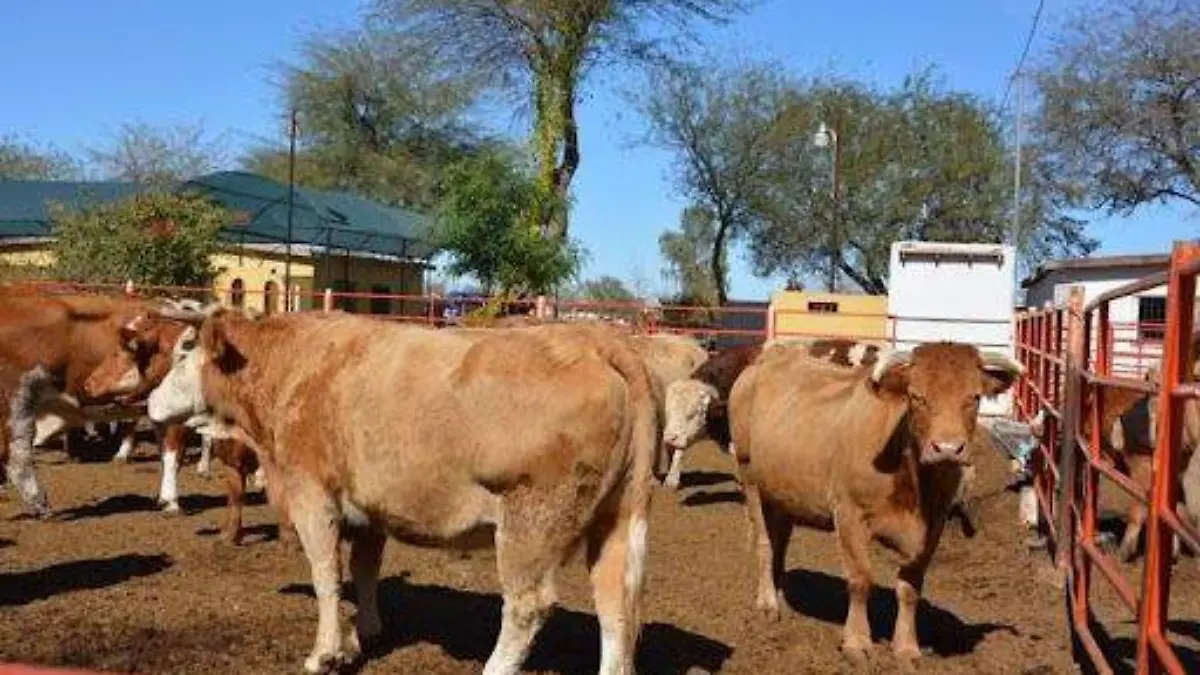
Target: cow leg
(527, 560)
(259, 480)
(673, 475)
(168, 492)
(128, 440)
(770, 532)
(276, 498)
(235, 495)
(366, 556)
(854, 539)
(1140, 472)
(317, 524)
(617, 559)
(204, 466)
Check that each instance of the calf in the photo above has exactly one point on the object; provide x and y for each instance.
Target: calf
(868, 453)
(365, 424)
(139, 363)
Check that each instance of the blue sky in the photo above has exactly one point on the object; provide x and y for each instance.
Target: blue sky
(88, 66)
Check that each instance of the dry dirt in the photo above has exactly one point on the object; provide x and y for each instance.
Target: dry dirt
(111, 584)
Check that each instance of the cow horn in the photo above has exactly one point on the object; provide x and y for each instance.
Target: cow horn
(999, 361)
(886, 361)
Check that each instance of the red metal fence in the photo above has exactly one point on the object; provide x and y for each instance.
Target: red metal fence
(1070, 356)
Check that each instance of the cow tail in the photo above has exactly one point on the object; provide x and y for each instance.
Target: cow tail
(22, 421)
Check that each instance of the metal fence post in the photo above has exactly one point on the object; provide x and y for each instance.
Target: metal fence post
(1075, 357)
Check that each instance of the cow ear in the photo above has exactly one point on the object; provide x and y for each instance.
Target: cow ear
(1000, 371)
(890, 373)
(214, 337)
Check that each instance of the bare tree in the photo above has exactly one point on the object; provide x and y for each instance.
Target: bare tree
(20, 160)
(1120, 104)
(142, 153)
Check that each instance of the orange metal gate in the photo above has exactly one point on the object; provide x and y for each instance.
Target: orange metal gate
(1069, 357)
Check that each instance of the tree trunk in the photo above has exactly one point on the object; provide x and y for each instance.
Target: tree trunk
(556, 132)
(718, 259)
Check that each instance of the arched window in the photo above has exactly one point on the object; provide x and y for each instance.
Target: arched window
(237, 293)
(270, 298)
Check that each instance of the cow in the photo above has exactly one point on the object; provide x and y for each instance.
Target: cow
(696, 406)
(870, 453)
(540, 439)
(69, 335)
(138, 365)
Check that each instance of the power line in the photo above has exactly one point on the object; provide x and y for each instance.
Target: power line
(1037, 16)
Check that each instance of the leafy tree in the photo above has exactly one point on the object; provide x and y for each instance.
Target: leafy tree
(20, 160)
(1119, 120)
(915, 163)
(482, 222)
(377, 115)
(605, 288)
(688, 254)
(544, 49)
(153, 238)
(718, 123)
(142, 153)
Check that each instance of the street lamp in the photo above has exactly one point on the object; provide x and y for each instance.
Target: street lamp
(827, 136)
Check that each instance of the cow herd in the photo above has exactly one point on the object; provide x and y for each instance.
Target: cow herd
(539, 439)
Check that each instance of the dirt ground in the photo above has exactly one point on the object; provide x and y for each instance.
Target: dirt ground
(111, 584)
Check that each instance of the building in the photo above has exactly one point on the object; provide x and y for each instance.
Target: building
(1137, 322)
(805, 314)
(351, 246)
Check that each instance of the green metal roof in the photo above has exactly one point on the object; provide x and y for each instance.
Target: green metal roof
(335, 220)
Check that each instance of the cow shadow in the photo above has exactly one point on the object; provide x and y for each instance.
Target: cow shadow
(250, 533)
(5, 543)
(710, 497)
(134, 503)
(824, 597)
(466, 624)
(23, 588)
(690, 479)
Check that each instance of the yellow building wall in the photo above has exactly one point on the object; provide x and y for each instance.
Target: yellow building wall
(311, 276)
(345, 274)
(808, 314)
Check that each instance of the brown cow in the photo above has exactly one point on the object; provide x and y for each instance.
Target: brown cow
(542, 437)
(69, 335)
(696, 406)
(137, 366)
(868, 453)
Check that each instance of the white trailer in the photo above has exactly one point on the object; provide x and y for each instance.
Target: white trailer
(959, 292)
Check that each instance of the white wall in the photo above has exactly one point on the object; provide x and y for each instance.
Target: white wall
(1131, 355)
(954, 300)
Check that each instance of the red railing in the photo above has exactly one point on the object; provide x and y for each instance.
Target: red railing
(1071, 355)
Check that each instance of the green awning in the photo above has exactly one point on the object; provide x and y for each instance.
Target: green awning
(321, 220)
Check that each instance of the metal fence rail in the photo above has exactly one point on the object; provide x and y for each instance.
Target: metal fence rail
(1070, 356)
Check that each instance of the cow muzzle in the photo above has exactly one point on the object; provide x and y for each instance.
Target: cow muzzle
(934, 452)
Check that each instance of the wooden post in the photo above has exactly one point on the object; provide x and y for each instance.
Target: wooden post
(327, 300)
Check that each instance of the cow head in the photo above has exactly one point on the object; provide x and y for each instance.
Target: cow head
(687, 403)
(180, 397)
(942, 384)
(143, 356)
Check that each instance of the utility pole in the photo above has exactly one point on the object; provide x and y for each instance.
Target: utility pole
(291, 205)
(1015, 235)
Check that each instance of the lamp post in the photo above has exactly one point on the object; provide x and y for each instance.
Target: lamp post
(824, 137)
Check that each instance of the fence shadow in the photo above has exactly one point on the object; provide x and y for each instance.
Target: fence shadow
(465, 624)
(824, 597)
(23, 588)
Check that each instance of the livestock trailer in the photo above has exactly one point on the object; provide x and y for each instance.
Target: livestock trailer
(959, 292)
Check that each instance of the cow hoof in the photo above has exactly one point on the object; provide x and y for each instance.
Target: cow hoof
(671, 483)
(120, 459)
(324, 663)
(768, 609)
(908, 654)
(170, 508)
(856, 652)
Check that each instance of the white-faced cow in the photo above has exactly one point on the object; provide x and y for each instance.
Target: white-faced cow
(542, 439)
(870, 454)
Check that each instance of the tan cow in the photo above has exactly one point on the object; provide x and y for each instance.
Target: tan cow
(540, 439)
(868, 453)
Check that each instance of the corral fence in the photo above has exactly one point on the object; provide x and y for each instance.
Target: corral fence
(1072, 352)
